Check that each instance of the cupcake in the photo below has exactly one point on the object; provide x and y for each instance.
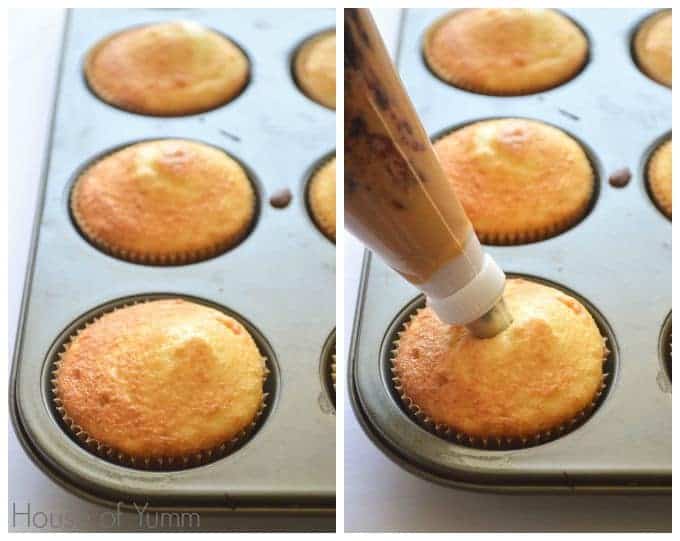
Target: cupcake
(505, 51)
(162, 383)
(660, 177)
(653, 47)
(173, 68)
(164, 202)
(314, 68)
(534, 380)
(321, 198)
(518, 180)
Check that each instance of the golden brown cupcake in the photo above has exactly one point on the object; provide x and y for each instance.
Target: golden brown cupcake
(322, 198)
(505, 51)
(653, 47)
(167, 201)
(162, 381)
(660, 177)
(173, 68)
(537, 376)
(314, 68)
(518, 180)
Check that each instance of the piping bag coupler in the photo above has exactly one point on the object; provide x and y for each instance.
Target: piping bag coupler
(398, 200)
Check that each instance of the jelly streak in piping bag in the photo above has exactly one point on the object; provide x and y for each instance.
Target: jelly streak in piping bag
(398, 200)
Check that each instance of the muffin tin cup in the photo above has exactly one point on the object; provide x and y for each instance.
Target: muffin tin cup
(666, 350)
(416, 414)
(617, 259)
(643, 169)
(631, 39)
(293, 57)
(164, 463)
(653, 148)
(105, 39)
(328, 366)
(308, 182)
(288, 463)
(437, 23)
(167, 259)
(559, 227)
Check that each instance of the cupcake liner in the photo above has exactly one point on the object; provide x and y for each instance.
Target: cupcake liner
(666, 347)
(159, 259)
(669, 357)
(492, 442)
(162, 463)
(512, 238)
(663, 202)
(452, 79)
(333, 367)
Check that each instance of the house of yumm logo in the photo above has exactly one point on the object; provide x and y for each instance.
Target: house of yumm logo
(25, 517)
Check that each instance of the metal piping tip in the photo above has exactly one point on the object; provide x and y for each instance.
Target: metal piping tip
(493, 322)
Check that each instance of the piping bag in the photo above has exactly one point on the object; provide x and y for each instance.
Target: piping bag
(398, 200)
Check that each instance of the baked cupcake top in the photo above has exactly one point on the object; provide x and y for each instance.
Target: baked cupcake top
(166, 69)
(166, 201)
(537, 375)
(653, 46)
(322, 198)
(314, 68)
(505, 51)
(518, 180)
(166, 378)
(660, 177)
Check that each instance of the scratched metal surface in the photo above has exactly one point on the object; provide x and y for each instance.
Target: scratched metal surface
(281, 277)
(618, 258)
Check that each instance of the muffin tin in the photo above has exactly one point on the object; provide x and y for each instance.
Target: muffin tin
(288, 462)
(617, 260)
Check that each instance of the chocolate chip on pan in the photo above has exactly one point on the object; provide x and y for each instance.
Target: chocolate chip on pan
(620, 177)
(281, 198)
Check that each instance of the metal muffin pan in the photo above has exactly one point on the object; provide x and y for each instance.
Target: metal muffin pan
(618, 259)
(278, 134)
